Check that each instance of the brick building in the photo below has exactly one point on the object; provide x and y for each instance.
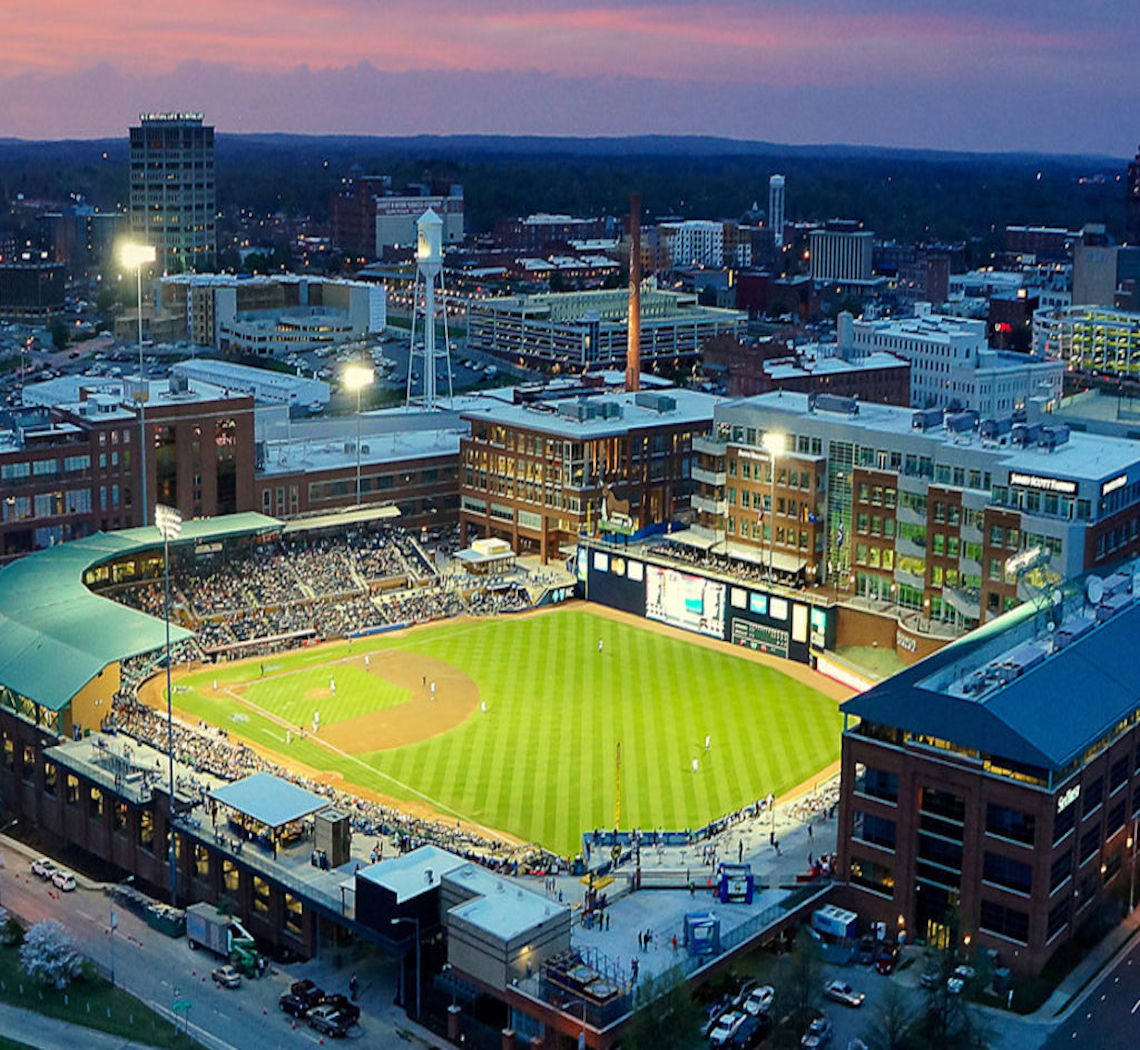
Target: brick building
(979, 803)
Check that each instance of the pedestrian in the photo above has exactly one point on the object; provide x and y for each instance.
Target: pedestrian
(423, 679)
(599, 645)
(740, 852)
(777, 844)
(708, 740)
(771, 838)
(692, 889)
(810, 835)
(433, 690)
(674, 944)
(640, 940)
(607, 920)
(352, 986)
(809, 858)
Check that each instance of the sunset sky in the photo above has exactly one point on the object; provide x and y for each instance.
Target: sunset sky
(995, 75)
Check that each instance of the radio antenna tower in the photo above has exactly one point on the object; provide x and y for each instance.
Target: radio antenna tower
(429, 270)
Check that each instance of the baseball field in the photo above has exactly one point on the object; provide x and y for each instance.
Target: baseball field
(520, 732)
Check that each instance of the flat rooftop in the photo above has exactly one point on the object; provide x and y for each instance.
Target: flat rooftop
(550, 417)
(414, 873)
(1087, 456)
(503, 907)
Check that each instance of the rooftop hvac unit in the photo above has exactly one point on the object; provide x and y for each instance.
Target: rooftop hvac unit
(654, 402)
(926, 419)
(995, 429)
(961, 422)
(837, 403)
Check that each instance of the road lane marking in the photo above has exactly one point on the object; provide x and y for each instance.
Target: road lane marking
(1135, 1006)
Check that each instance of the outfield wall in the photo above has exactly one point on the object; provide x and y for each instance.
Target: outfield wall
(742, 612)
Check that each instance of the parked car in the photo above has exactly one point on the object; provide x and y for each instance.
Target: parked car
(743, 991)
(867, 950)
(347, 1009)
(726, 1027)
(226, 976)
(308, 991)
(887, 959)
(751, 1033)
(843, 993)
(818, 1034)
(328, 1020)
(43, 868)
(759, 1000)
(63, 880)
(958, 980)
(712, 1014)
(293, 1005)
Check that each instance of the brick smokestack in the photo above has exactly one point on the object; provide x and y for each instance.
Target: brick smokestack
(633, 346)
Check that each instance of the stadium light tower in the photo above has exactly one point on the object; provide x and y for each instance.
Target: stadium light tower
(775, 444)
(169, 522)
(135, 257)
(357, 377)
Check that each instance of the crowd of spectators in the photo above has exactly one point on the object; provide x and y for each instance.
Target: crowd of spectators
(207, 749)
(737, 568)
(490, 602)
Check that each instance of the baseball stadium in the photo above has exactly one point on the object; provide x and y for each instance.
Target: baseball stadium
(341, 685)
(352, 661)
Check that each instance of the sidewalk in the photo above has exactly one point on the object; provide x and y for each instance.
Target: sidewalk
(47, 1033)
(1062, 1000)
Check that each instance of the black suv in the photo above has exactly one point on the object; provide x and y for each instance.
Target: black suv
(301, 998)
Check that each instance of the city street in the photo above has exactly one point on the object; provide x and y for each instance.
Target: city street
(1106, 1018)
(161, 971)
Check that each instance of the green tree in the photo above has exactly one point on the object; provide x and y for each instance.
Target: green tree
(667, 1018)
(892, 1024)
(799, 976)
(946, 1021)
(58, 334)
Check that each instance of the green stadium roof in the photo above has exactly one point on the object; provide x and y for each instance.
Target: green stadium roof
(56, 636)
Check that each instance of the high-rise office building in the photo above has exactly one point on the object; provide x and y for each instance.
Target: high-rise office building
(1132, 215)
(173, 204)
(776, 208)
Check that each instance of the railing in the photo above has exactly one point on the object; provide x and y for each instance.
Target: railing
(709, 477)
(709, 506)
(708, 446)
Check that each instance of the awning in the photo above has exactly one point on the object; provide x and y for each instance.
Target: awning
(352, 516)
(781, 562)
(269, 800)
(692, 538)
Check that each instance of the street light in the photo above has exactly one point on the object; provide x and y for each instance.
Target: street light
(415, 922)
(775, 444)
(136, 256)
(112, 925)
(169, 522)
(357, 377)
(1131, 844)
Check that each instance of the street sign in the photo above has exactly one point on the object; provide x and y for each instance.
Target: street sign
(180, 1006)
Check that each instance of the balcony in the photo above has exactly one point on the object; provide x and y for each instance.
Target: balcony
(911, 579)
(967, 603)
(708, 446)
(703, 505)
(910, 516)
(709, 477)
(909, 545)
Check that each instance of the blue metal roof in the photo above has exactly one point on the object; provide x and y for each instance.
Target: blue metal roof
(55, 635)
(1045, 718)
(269, 800)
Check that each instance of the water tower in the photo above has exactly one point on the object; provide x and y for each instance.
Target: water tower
(429, 270)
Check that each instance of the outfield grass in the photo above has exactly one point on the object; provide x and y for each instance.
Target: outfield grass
(540, 764)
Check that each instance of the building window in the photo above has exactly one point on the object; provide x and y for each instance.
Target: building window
(1007, 872)
(260, 895)
(1005, 922)
(879, 878)
(1118, 774)
(1093, 796)
(1061, 870)
(876, 830)
(1090, 843)
(146, 830)
(1010, 823)
(1058, 918)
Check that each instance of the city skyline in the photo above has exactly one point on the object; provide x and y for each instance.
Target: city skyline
(1020, 76)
